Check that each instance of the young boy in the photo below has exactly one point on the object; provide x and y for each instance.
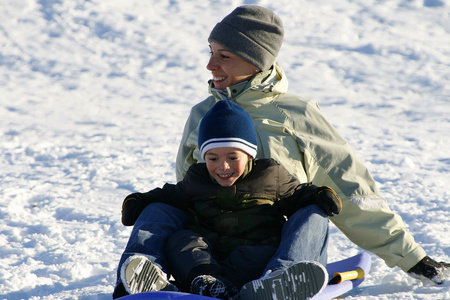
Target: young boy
(238, 206)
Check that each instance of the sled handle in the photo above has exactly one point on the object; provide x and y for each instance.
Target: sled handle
(350, 275)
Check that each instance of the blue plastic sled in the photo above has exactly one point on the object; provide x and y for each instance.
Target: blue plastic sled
(361, 260)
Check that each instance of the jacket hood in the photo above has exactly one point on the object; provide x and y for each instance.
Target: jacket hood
(263, 85)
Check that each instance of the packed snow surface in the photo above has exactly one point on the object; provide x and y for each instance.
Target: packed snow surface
(94, 95)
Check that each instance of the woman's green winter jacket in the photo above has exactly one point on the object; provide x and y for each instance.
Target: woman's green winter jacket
(293, 131)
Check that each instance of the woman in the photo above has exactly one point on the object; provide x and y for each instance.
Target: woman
(293, 131)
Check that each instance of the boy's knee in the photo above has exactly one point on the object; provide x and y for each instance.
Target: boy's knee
(161, 212)
(310, 210)
(186, 239)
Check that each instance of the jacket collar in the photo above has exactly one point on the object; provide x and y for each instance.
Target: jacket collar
(256, 90)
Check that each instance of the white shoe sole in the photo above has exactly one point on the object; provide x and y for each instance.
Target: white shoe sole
(301, 281)
(139, 275)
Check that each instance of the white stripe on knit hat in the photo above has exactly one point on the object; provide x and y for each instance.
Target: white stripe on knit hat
(231, 142)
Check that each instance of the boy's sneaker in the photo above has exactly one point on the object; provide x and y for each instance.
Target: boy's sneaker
(139, 275)
(207, 285)
(301, 281)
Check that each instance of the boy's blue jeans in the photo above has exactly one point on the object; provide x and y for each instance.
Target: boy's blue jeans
(304, 236)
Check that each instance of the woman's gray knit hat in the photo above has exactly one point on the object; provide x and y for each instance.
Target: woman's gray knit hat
(253, 32)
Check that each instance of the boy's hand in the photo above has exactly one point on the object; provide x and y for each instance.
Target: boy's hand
(132, 207)
(327, 199)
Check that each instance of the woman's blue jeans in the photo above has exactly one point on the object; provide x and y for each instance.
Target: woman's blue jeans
(304, 236)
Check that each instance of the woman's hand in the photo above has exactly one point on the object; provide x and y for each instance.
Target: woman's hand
(430, 269)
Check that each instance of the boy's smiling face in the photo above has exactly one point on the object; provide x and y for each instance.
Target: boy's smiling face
(226, 164)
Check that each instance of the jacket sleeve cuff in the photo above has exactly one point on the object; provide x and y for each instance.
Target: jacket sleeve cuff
(409, 261)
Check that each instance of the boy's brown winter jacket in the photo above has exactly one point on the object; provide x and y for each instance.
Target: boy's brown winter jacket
(251, 212)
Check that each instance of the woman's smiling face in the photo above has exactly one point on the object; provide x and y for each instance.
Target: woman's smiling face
(228, 68)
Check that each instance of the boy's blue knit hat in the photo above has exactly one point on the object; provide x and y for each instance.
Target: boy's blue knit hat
(227, 124)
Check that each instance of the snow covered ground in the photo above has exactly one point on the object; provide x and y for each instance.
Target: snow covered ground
(94, 95)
